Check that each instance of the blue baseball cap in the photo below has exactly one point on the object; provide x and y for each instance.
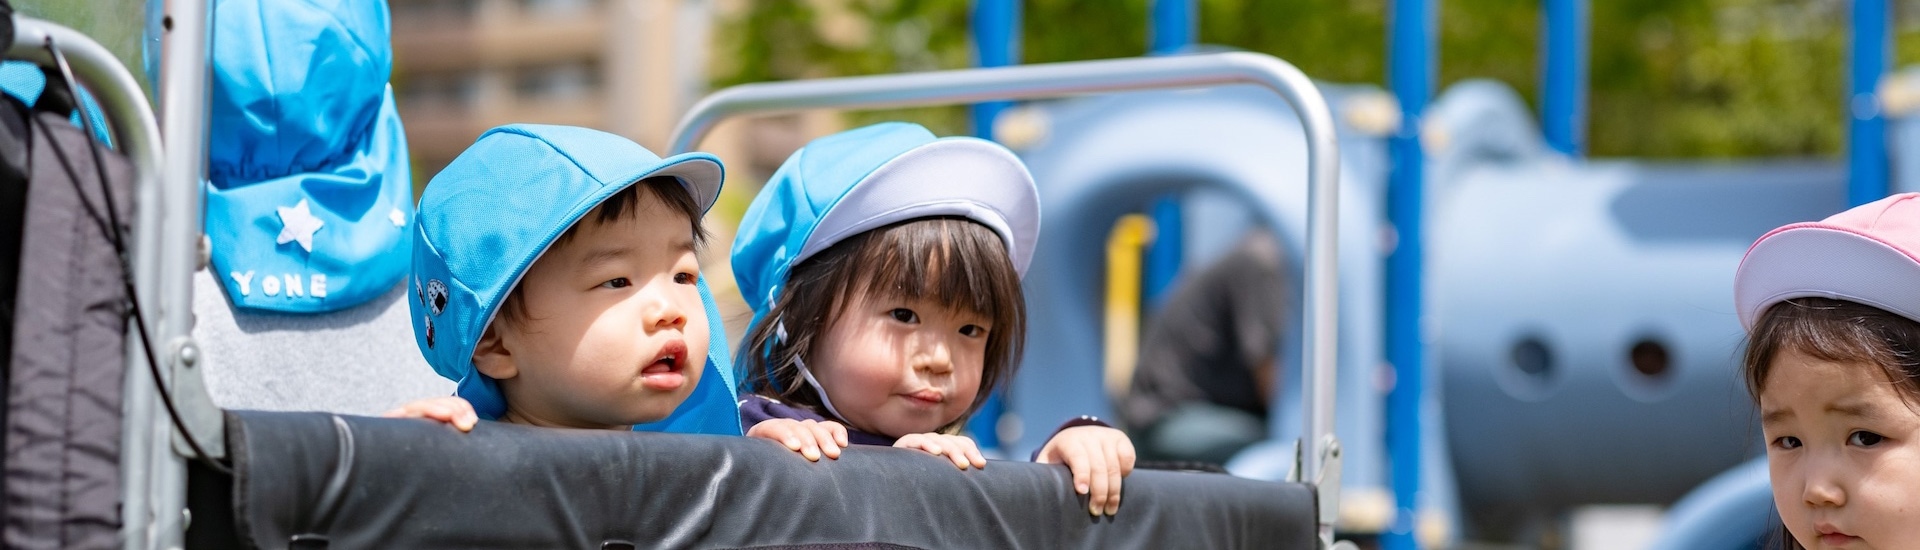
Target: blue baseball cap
(497, 207)
(844, 184)
(309, 191)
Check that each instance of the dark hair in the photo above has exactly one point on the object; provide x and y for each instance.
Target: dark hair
(1781, 539)
(953, 261)
(623, 204)
(1837, 331)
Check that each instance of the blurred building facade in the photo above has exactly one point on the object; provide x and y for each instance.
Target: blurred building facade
(630, 67)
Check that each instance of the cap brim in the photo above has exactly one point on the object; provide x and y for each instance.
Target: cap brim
(701, 173)
(966, 177)
(1824, 261)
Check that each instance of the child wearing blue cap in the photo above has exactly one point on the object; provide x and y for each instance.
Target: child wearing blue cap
(555, 280)
(883, 266)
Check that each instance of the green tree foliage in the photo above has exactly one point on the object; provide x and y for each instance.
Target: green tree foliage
(115, 24)
(1701, 78)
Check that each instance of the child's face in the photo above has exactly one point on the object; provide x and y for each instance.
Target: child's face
(1843, 451)
(614, 332)
(896, 367)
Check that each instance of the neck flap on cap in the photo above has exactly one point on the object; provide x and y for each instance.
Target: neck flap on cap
(309, 191)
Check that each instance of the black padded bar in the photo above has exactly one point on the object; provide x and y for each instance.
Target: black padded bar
(416, 484)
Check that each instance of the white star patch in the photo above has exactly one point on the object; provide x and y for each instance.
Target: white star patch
(399, 218)
(298, 224)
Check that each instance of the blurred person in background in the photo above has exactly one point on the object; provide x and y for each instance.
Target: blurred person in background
(1207, 360)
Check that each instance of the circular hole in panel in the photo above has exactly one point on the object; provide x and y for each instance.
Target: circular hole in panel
(1650, 366)
(1649, 357)
(1531, 369)
(1532, 358)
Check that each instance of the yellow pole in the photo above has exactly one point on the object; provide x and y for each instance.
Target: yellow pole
(1125, 247)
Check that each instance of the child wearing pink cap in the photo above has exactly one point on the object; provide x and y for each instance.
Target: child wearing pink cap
(1832, 312)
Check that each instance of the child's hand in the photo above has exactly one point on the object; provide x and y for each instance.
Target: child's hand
(449, 410)
(809, 438)
(958, 448)
(1099, 457)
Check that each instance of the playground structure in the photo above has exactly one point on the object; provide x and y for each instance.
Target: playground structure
(1573, 317)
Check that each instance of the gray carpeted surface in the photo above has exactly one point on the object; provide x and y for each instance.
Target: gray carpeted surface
(359, 361)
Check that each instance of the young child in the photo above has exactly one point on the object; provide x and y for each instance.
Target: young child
(555, 280)
(883, 267)
(1832, 310)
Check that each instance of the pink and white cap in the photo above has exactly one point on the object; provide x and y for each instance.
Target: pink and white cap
(1869, 254)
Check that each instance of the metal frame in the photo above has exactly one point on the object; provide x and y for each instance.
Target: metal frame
(996, 42)
(1069, 79)
(1174, 25)
(1866, 125)
(1563, 70)
(1410, 73)
(153, 477)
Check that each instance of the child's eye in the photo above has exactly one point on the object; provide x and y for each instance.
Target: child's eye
(973, 331)
(904, 315)
(685, 278)
(1865, 438)
(1787, 442)
(617, 282)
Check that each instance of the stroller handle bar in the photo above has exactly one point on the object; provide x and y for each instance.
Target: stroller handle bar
(1078, 78)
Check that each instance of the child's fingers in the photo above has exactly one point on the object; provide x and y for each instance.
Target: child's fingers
(809, 445)
(1077, 465)
(956, 452)
(839, 433)
(450, 410)
(788, 433)
(918, 442)
(466, 420)
(974, 456)
(966, 452)
(1127, 456)
(456, 412)
(823, 435)
(938, 445)
(1097, 475)
(1111, 457)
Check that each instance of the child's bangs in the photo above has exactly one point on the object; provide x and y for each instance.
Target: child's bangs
(1837, 331)
(914, 261)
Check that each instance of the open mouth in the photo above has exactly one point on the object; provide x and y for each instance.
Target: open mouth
(667, 370)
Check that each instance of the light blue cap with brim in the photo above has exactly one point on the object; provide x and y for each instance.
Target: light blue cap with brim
(496, 208)
(309, 190)
(847, 183)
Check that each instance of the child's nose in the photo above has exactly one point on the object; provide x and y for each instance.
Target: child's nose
(665, 313)
(1823, 489)
(935, 357)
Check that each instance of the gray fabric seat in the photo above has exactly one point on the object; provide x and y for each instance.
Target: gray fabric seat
(360, 360)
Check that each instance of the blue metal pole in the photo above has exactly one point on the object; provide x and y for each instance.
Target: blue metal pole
(996, 42)
(1410, 73)
(1173, 27)
(1563, 97)
(1866, 128)
(1164, 255)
